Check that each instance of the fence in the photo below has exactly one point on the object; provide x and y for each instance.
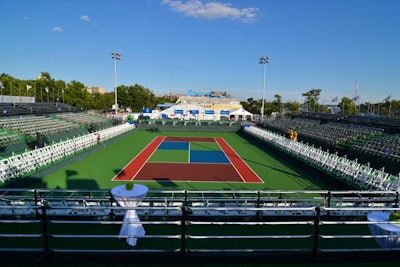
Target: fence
(185, 224)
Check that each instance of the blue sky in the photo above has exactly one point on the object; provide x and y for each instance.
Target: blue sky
(176, 46)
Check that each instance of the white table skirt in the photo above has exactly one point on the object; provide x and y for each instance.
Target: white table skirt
(384, 229)
(130, 198)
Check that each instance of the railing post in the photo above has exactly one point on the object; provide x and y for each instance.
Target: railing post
(316, 232)
(183, 232)
(45, 232)
(258, 213)
(396, 204)
(112, 214)
(186, 198)
(329, 201)
(36, 203)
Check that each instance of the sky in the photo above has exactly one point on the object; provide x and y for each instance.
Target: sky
(342, 47)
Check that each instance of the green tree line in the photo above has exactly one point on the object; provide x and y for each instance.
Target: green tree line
(46, 89)
(347, 106)
(136, 97)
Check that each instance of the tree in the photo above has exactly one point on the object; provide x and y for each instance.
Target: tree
(312, 98)
(277, 105)
(77, 95)
(293, 107)
(347, 106)
(252, 105)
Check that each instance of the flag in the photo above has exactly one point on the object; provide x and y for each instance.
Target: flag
(47, 89)
(28, 87)
(355, 98)
(387, 98)
(1, 85)
(335, 99)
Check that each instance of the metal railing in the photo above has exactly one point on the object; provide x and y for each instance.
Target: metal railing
(309, 231)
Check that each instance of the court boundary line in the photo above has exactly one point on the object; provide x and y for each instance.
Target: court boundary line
(136, 164)
(141, 159)
(244, 170)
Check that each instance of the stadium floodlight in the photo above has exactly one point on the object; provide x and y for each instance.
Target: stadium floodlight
(264, 61)
(1, 88)
(116, 56)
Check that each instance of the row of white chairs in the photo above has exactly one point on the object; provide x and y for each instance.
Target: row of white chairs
(387, 146)
(81, 118)
(33, 124)
(348, 170)
(17, 165)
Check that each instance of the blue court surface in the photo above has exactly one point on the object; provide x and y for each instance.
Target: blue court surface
(166, 145)
(196, 156)
(201, 156)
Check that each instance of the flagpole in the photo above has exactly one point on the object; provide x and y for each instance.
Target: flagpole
(11, 92)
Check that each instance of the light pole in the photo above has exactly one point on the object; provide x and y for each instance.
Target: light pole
(264, 61)
(1, 88)
(116, 56)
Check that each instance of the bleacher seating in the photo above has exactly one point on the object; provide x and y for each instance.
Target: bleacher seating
(31, 125)
(337, 135)
(17, 109)
(342, 168)
(387, 146)
(81, 118)
(17, 165)
(8, 138)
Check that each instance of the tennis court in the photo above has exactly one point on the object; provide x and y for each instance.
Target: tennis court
(188, 159)
(95, 169)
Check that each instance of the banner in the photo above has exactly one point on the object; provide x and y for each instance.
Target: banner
(194, 111)
(224, 112)
(147, 110)
(210, 112)
(178, 111)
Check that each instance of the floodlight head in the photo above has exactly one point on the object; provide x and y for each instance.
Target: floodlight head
(264, 60)
(116, 55)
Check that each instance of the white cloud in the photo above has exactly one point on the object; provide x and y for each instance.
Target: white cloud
(85, 18)
(211, 10)
(88, 19)
(57, 29)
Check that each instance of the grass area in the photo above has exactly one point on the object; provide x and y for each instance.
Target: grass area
(95, 171)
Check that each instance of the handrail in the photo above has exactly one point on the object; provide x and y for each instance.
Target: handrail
(52, 236)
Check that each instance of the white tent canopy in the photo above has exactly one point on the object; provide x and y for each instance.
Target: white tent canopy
(185, 112)
(185, 109)
(240, 112)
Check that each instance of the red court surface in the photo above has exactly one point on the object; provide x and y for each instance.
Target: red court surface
(140, 169)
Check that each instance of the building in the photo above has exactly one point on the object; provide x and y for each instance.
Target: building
(215, 105)
(95, 89)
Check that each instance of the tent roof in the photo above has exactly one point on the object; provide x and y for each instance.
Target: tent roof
(240, 111)
(183, 107)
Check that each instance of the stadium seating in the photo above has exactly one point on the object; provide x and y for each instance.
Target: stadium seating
(31, 125)
(347, 170)
(29, 161)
